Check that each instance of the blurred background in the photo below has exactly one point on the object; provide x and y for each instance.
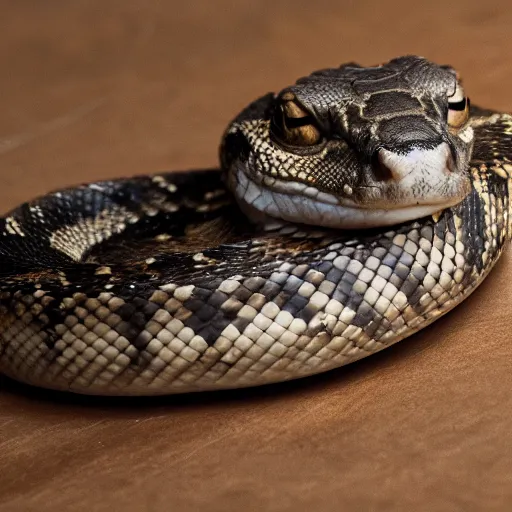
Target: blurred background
(93, 89)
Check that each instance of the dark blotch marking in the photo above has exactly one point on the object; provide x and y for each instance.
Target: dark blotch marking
(364, 315)
(282, 298)
(307, 313)
(241, 323)
(354, 301)
(242, 294)
(371, 327)
(409, 287)
(270, 289)
(236, 147)
(136, 313)
(402, 271)
(390, 102)
(295, 304)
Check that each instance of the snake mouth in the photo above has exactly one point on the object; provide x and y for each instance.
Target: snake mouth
(347, 217)
(365, 207)
(443, 193)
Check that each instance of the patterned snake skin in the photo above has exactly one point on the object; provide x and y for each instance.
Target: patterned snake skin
(159, 284)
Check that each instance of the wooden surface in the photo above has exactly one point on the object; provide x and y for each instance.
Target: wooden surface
(94, 89)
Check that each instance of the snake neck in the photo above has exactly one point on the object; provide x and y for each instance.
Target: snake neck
(491, 172)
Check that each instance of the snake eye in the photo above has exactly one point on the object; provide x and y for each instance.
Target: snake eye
(293, 124)
(458, 108)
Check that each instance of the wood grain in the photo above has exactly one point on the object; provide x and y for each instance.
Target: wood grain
(94, 89)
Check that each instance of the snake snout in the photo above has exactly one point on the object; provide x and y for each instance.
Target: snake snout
(417, 163)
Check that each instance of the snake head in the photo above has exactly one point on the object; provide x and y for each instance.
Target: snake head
(353, 146)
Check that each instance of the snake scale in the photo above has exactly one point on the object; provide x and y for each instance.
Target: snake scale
(352, 209)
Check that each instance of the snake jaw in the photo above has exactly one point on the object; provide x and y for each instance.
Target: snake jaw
(412, 185)
(265, 201)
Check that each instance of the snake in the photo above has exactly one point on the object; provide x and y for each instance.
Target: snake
(350, 210)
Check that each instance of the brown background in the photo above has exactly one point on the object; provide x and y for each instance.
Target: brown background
(96, 89)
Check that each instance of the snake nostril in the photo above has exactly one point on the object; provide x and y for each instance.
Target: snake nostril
(450, 163)
(380, 170)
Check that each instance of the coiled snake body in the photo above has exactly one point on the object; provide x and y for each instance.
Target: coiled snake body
(374, 200)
